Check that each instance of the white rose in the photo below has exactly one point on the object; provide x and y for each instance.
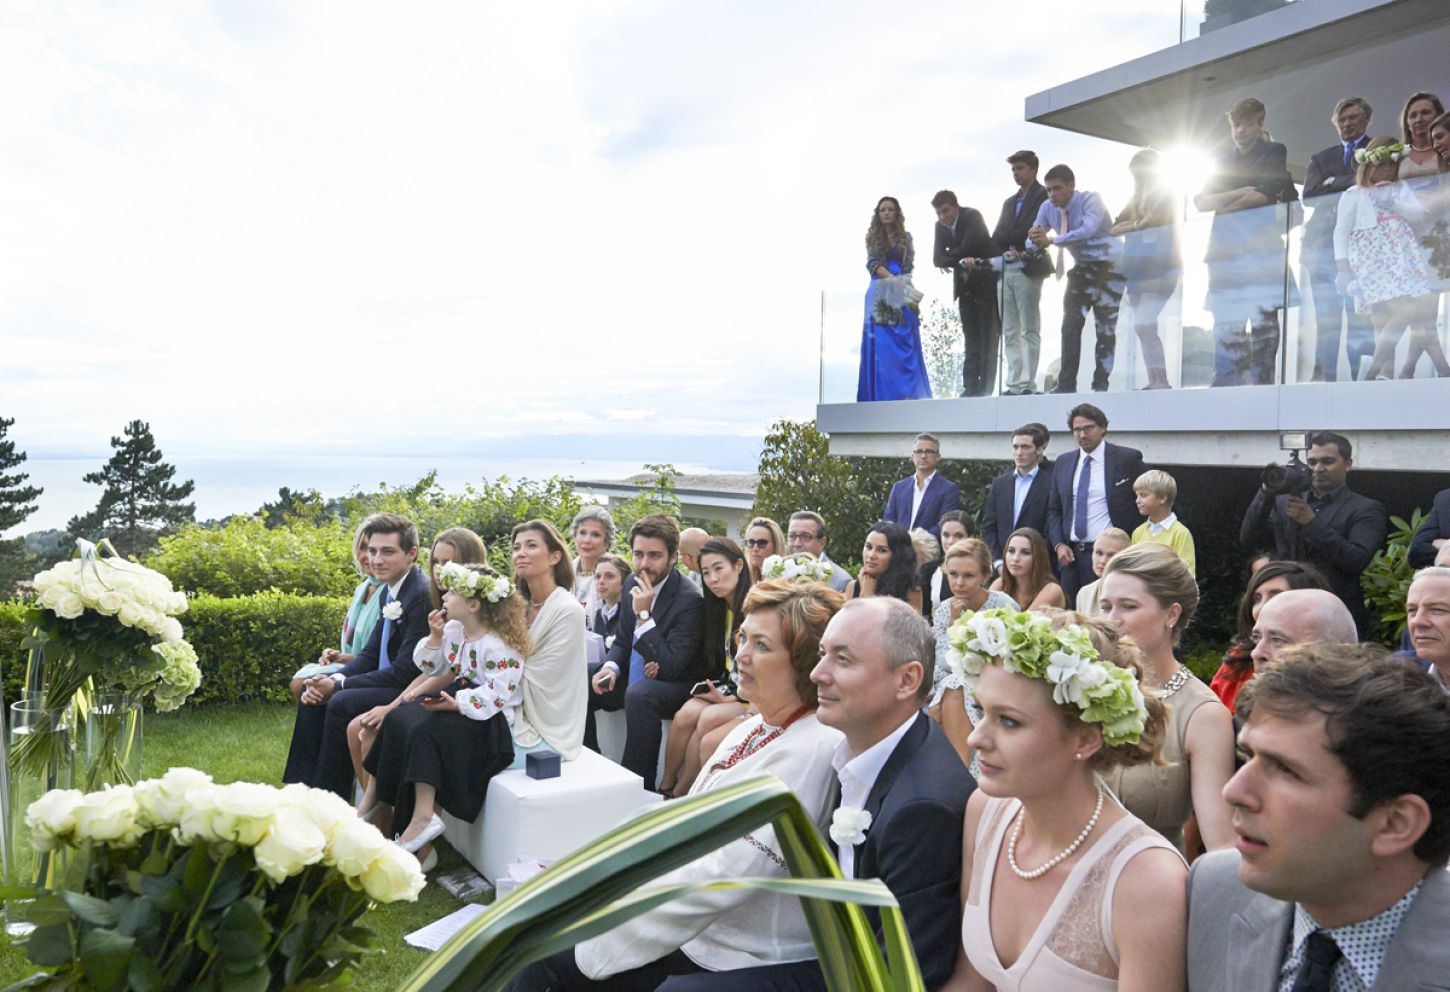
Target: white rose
(394, 876)
(393, 611)
(44, 581)
(68, 606)
(991, 636)
(169, 629)
(109, 602)
(131, 614)
(242, 812)
(198, 813)
(52, 817)
(161, 800)
(849, 826)
(292, 843)
(355, 845)
(327, 810)
(108, 816)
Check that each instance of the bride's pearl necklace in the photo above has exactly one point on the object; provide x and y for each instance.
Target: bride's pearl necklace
(1061, 855)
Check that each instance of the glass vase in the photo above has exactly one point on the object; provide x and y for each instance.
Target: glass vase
(40, 758)
(112, 735)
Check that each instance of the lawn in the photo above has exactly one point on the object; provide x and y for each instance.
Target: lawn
(249, 742)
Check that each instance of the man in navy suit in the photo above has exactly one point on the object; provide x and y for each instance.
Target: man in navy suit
(919, 500)
(1092, 490)
(1330, 173)
(964, 246)
(1433, 534)
(384, 668)
(656, 657)
(1019, 498)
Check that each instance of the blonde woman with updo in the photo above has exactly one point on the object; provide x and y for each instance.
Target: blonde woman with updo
(1149, 594)
(968, 570)
(1062, 887)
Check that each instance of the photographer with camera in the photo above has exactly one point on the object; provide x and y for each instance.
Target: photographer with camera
(1316, 518)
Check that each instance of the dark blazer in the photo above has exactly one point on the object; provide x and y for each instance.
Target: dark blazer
(969, 240)
(674, 641)
(941, 496)
(1122, 467)
(997, 521)
(1432, 528)
(1237, 938)
(362, 671)
(914, 843)
(1012, 225)
(1339, 541)
(606, 628)
(1327, 177)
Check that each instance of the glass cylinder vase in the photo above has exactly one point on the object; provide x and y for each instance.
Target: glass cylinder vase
(112, 735)
(41, 757)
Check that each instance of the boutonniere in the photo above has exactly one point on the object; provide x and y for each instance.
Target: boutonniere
(393, 611)
(849, 826)
(609, 642)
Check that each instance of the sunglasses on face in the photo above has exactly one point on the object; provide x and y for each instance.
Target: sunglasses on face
(757, 542)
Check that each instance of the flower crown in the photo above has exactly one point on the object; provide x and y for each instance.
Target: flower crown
(468, 583)
(1065, 659)
(1380, 155)
(796, 566)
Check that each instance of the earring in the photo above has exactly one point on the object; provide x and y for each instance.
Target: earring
(1078, 756)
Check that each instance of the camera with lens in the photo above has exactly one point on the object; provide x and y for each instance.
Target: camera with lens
(1293, 477)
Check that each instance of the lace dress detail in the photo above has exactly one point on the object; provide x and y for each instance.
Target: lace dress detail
(1073, 946)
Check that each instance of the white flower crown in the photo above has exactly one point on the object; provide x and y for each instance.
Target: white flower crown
(468, 583)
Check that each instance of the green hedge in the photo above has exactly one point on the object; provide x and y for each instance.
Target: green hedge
(248, 646)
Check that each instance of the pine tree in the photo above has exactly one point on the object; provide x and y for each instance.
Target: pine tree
(17, 501)
(139, 500)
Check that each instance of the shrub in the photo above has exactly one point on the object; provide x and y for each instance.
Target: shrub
(1386, 580)
(248, 646)
(244, 556)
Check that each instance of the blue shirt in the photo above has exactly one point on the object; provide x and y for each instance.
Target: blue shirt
(1022, 484)
(1088, 224)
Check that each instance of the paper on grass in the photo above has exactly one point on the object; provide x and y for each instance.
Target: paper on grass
(437, 933)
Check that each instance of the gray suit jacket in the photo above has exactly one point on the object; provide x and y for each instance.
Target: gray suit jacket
(1237, 938)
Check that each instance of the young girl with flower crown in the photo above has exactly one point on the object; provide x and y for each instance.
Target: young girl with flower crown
(442, 748)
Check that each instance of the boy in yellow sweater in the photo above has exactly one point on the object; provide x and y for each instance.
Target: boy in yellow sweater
(1156, 492)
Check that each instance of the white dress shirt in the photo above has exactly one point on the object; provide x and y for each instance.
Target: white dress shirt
(1162, 525)
(918, 493)
(393, 588)
(1098, 519)
(858, 775)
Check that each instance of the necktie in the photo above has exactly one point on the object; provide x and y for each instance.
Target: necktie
(1061, 229)
(384, 662)
(1320, 956)
(636, 662)
(1348, 155)
(1080, 505)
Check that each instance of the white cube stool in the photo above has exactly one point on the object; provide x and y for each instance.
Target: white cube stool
(546, 818)
(610, 726)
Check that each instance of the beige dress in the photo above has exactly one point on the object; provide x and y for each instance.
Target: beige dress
(1162, 795)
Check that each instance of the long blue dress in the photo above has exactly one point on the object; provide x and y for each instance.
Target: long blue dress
(892, 366)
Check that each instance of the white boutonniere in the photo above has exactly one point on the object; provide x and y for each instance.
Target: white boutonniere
(393, 611)
(849, 826)
(609, 642)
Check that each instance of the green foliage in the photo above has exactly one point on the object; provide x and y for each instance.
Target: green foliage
(798, 472)
(1386, 581)
(246, 555)
(17, 500)
(139, 501)
(655, 497)
(602, 884)
(293, 506)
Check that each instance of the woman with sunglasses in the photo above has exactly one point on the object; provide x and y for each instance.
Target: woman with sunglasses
(763, 538)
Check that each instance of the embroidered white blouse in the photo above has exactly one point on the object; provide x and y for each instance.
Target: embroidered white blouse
(493, 667)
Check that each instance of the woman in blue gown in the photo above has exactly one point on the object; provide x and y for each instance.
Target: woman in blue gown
(892, 366)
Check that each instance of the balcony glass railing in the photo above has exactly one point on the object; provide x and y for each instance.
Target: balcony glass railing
(1252, 297)
(1205, 16)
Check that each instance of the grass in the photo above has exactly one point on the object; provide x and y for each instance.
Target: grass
(248, 742)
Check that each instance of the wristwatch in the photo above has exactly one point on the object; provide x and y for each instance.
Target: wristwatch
(642, 615)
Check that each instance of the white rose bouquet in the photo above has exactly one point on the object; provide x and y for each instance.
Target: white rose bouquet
(104, 625)
(185, 884)
(800, 565)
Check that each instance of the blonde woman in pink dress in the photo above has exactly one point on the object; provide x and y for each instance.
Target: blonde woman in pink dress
(1062, 888)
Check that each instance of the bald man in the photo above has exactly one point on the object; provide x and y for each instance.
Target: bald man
(692, 539)
(1427, 613)
(1301, 616)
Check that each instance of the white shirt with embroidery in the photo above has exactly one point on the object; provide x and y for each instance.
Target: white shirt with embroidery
(494, 668)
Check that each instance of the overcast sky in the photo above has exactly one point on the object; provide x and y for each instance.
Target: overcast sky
(334, 226)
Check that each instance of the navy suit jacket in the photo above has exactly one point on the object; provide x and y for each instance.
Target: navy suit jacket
(674, 641)
(1432, 528)
(1327, 177)
(997, 521)
(412, 626)
(1013, 224)
(970, 240)
(1121, 466)
(914, 843)
(941, 496)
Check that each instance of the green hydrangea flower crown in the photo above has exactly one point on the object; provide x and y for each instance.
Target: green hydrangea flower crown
(468, 583)
(1065, 659)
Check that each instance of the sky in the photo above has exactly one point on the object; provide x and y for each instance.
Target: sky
(274, 228)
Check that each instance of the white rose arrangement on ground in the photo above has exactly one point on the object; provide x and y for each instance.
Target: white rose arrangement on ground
(187, 884)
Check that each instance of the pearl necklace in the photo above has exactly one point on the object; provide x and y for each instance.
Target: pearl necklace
(1061, 855)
